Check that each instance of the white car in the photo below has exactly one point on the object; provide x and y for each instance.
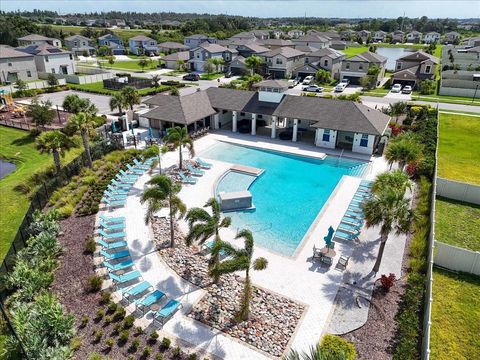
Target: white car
(292, 83)
(407, 89)
(340, 87)
(307, 80)
(313, 88)
(396, 88)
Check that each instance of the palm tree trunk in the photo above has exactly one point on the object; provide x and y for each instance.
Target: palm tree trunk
(159, 163)
(56, 160)
(86, 146)
(172, 231)
(120, 110)
(180, 156)
(383, 241)
(245, 300)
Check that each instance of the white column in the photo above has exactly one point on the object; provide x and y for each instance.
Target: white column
(234, 121)
(254, 124)
(195, 126)
(216, 123)
(295, 129)
(274, 127)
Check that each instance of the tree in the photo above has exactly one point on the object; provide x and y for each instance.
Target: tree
(41, 112)
(396, 180)
(104, 50)
(367, 82)
(251, 81)
(162, 190)
(156, 80)
(85, 53)
(56, 143)
(75, 104)
(84, 124)
(252, 63)
(217, 61)
(208, 66)
(323, 76)
(131, 95)
(403, 149)
(181, 65)
(52, 80)
(240, 259)
(142, 63)
(21, 85)
(390, 210)
(178, 137)
(111, 60)
(157, 151)
(426, 87)
(117, 101)
(174, 91)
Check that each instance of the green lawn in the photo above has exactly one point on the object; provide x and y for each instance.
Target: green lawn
(130, 65)
(17, 146)
(354, 50)
(458, 148)
(457, 223)
(445, 99)
(97, 87)
(211, 76)
(455, 316)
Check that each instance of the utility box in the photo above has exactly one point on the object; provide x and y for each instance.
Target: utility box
(237, 200)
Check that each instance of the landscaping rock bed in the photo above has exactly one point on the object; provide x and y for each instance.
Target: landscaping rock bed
(273, 318)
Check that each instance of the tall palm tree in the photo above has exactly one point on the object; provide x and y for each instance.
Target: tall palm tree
(131, 95)
(84, 124)
(203, 226)
(390, 210)
(56, 143)
(395, 179)
(117, 101)
(241, 259)
(163, 191)
(178, 137)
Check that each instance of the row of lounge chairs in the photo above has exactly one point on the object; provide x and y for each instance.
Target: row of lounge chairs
(199, 133)
(125, 278)
(194, 172)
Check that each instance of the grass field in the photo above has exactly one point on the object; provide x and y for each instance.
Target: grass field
(212, 76)
(120, 32)
(455, 316)
(352, 51)
(18, 147)
(445, 99)
(97, 87)
(458, 148)
(130, 65)
(457, 223)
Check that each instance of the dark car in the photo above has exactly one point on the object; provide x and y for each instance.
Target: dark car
(191, 77)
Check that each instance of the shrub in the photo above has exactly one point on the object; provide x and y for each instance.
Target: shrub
(119, 314)
(108, 319)
(90, 245)
(166, 342)
(117, 328)
(105, 297)
(94, 283)
(109, 343)
(192, 356)
(100, 313)
(95, 356)
(159, 356)
(84, 321)
(387, 281)
(124, 334)
(336, 347)
(154, 336)
(112, 307)
(65, 211)
(147, 351)
(98, 334)
(139, 330)
(177, 352)
(135, 344)
(128, 322)
(75, 343)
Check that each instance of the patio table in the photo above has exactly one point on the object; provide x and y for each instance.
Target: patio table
(325, 251)
(154, 307)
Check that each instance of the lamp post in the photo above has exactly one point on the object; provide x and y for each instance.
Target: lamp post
(475, 94)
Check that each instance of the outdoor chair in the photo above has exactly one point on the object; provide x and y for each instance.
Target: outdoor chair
(125, 278)
(112, 245)
(326, 260)
(117, 191)
(139, 165)
(110, 236)
(187, 179)
(118, 266)
(121, 185)
(166, 312)
(113, 203)
(343, 261)
(115, 196)
(125, 180)
(114, 256)
(135, 171)
(136, 290)
(112, 220)
(149, 300)
(193, 171)
(127, 175)
(339, 234)
(203, 164)
(349, 228)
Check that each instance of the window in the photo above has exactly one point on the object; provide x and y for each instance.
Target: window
(347, 66)
(364, 140)
(306, 60)
(326, 135)
(242, 114)
(279, 61)
(428, 68)
(46, 58)
(29, 73)
(71, 57)
(9, 64)
(152, 43)
(399, 65)
(360, 67)
(325, 63)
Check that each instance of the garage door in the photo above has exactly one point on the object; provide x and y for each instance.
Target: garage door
(303, 75)
(353, 79)
(278, 74)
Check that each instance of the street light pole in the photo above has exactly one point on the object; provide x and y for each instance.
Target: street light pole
(475, 94)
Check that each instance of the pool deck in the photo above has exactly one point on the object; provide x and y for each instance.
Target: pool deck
(247, 169)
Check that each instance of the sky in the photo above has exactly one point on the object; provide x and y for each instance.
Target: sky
(265, 8)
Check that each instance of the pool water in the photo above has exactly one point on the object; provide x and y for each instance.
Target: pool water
(287, 196)
(235, 181)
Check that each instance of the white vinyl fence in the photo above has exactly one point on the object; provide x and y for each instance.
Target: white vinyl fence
(457, 259)
(458, 191)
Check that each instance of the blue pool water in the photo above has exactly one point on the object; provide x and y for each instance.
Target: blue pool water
(287, 196)
(235, 181)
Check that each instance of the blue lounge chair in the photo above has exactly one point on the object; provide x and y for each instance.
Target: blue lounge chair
(118, 266)
(121, 185)
(367, 183)
(166, 312)
(112, 220)
(139, 165)
(117, 191)
(187, 179)
(152, 298)
(135, 171)
(125, 180)
(353, 215)
(127, 175)
(350, 228)
(115, 196)
(346, 236)
(122, 279)
(351, 221)
(193, 171)
(111, 227)
(136, 290)
(114, 256)
(113, 203)
(203, 164)
(110, 236)
(112, 245)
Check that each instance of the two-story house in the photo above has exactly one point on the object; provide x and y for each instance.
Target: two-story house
(315, 41)
(379, 36)
(414, 67)
(169, 47)
(194, 41)
(277, 33)
(250, 49)
(265, 34)
(201, 54)
(347, 35)
(114, 42)
(35, 39)
(356, 67)
(326, 59)
(143, 45)
(282, 62)
(431, 37)
(16, 65)
(273, 44)
(398, 36)
(79, 45)
(451, 37)
(295, 33)
(414, 37)
(364, 35)
(50, 59)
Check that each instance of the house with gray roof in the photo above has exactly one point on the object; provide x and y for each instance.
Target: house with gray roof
(169, 47)
(16, 65)
(50, 59)
(250, 49)
(313, 40)
(356, 67)
(295, 33)
(326, 59)
(414, 37)
(415, 67)
(282, 62)
(175, 60)
(114, 42)
(143, 45)
(273, 44)
(269, 111)
(194, 41)
(35, 39)
(201, 54)
(79, 45)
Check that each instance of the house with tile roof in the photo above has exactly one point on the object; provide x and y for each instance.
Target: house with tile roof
(273, 44)
(114, 42)
(282, 62)
(313, 40)
(356, 67)
(201, 54)
(50, 59)
(415, 67)
(16, 65)
(143, 45)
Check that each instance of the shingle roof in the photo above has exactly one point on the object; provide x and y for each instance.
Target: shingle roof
(73, 37)
(256, 106)
(256, 48)
(368, 57)
(332, 53)
(288, 52)
(7, 52)
(276, 42)
(140, 38)
(43, 49)
(172, 45)
(106, 36)
(229, 99)
(306, 49)
(197, 36)
(312, 38)
(276, 84)
(419, 56)
(180, 55)
(214, 48)
(34, 37)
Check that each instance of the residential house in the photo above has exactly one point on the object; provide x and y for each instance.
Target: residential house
(282, 62)
(414, 37)
(143, 45)
(364, 35)
(118, 23)
(250, 49)
(238, 66)
(452, 37)
(174, 60)
(50, 59)
(398, 36)
(338, 44)
(246, 36)
(193, 41)
(201, 54)
(414, 67)
(79, 45)
(295, 33)
(114, 42)
(169, 47)
(326, 59)
(35, 39)
(313, 41)
(273, 44)
(356, 67)
(16, 65)
(347, 35)
(269, 111)
(379, 36)
(431, 37)
(464, 58)
(277, 33)
(472, 42)
(265, 34)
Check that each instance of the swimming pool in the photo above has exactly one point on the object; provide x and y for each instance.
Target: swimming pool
(287, 196)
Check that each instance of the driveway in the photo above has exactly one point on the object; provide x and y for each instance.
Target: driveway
(398, 96)
(100, 101)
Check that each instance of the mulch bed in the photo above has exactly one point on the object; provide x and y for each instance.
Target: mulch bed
(26, 122)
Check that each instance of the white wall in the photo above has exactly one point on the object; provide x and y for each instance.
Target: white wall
(326, 144)
(457, 259)
(360, 149)
(457, 190)
(225, 120)
(55, 62)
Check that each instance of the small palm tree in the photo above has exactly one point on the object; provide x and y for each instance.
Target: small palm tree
(143, 63)
(156, 80)
(56, 143)
(241, 259)
(315, 353)
(390, 210)
(178, 137)
(181, 65)
(131, 96)
(117, 101)
(163, 191)
(253, 62)
(404, 150)
(395, 179)
(84, 124)
(157, 151)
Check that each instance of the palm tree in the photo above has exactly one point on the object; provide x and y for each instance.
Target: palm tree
(153, 151)
(241, 259)
(142, 63)
(203, 226)
(161, 191)
(181, 65)
(131, 95)
(75, 104)
(217, 61)
(315, 353)
(84, 124)
(178, 137)
(252, 62)
(56, 143)
(118, 101)
(156, 80)
(404, 149)
(397, 180)
(390, 210)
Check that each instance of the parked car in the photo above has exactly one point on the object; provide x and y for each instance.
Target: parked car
(191, 77)
(407, 89)
(340, 87)
(293, 82)
(307, 80)
(228, 74)
(396, 88)
(313, 88)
